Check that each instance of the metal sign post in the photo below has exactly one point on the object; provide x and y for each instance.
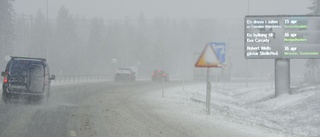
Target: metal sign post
(162, 87)
(208, 94)
(209, 58)
(282, 76)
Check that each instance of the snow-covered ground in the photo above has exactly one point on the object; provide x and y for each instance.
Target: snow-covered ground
(253, 109)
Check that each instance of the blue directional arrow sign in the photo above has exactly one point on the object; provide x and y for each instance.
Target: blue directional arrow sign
(220, 49)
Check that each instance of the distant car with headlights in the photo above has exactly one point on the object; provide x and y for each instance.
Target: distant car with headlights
(125, 74)
(160, 75)
(27, 78)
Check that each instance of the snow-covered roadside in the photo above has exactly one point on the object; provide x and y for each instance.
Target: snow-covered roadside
(253, 109)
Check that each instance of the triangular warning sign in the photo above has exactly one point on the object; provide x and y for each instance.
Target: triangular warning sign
(208, 58)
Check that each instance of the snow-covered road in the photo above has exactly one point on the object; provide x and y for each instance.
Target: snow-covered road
(106, 108)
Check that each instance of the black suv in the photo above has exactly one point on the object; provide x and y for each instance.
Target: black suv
(27, 78)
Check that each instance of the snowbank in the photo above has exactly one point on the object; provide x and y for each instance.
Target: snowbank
(254, 109)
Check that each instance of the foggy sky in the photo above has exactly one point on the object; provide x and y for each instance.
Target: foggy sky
(177, 9)
(233, 10)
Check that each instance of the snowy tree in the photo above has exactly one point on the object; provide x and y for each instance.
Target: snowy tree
(160, 30)
(313, 64)
(39, 40)
(65, 46)
(23, 31)
(142, 50)
(65, 27)
(315, 8)
(128, 42)
(96, 48)
(6, 29)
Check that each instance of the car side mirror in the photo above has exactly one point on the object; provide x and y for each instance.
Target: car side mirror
(3, 74)
(53, 77)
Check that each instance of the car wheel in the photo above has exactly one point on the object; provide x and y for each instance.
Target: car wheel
(39, 99)
(5, 98)
(47, 97)
(44, 99)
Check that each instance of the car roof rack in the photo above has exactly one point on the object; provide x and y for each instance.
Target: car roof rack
(15, 57)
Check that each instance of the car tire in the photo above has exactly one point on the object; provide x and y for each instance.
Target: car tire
(47, 97)
(5, 98)
(44, 99)
(39, 99)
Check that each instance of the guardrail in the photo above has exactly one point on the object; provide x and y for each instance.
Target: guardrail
(79, 78)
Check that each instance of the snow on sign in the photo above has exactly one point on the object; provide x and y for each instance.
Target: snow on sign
(208, 58)
(220, 49)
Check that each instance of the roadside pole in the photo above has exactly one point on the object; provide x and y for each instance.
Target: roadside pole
(282, 77)
(183, 85)
(209, 59)
(208, 101)
(222, 78)
(162, 87)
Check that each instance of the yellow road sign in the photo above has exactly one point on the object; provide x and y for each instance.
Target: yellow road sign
(208, 58)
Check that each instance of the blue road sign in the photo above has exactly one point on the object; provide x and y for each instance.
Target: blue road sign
(220, 49)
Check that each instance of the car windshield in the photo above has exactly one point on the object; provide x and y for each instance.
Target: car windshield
(126, 71)
(159, 71)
